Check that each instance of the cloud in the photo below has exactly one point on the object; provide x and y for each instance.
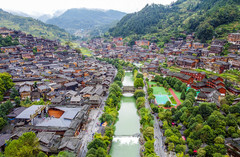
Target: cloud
(50, 6)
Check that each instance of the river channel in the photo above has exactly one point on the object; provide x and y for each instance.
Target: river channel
(125, 144)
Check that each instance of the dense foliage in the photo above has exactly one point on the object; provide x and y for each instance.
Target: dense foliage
(205, 126)
(5, 83)
(8, 41)
(99, 146)
(26, 146)
(5, 108)
(146, 118)
(163, 22)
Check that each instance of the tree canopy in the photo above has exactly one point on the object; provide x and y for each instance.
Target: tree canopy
(26, 146)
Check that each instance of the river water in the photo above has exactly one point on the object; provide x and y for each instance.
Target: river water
(125, 144)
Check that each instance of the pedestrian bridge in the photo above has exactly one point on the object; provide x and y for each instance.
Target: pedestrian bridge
(128, 89)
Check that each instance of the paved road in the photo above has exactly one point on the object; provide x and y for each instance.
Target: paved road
(175, 97)
(158, 143)
(91, 128)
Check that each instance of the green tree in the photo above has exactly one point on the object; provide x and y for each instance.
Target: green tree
(161, 50)
(183, 95)
(218, 155)
(26, 146)
(14, 93)
(3, 122)
(150, 91)
(66, 154)
(139, 93)
(235, 109)
(205, 32)
(168, 104)
(140, 102)
(149, 147)
(42, 154)
(171, 146)
(231, 120)
(119, 83)
(106, 118)
(17, 101)
(5, 83)
(219, 140)
(201, 152)
(155, 109)
(139, 75)
(101, 152)
(158, 78)
(138, 83)
(151, 98)
(180, 148)
(191, 90)
(225, 108)
(35, 85)
(183, 87)
(148, 133)
(231, 130)
(34, 50)
(207, 134)
(176, 87)
(96, 143)
(205, 110)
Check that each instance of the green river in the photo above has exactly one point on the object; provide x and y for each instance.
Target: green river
(124, 143)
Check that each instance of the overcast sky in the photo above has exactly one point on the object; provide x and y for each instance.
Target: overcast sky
(50, 6)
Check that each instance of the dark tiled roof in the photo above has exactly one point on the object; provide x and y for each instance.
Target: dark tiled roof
(202, 95)
(4, 138)
(207, 90)
(16, 112)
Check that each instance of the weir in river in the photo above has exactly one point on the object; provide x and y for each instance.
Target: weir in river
(126, 139)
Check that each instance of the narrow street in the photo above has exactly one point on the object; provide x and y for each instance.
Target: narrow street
(91, 128)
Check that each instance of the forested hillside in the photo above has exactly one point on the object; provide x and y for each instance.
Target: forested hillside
(32, 26)
(205, 17)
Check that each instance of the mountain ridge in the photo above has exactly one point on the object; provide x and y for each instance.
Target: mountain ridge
(76, 19)
(181, 16)
(33, 26)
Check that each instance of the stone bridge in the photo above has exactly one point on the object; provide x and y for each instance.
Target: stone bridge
(128, 89)
(127, 68)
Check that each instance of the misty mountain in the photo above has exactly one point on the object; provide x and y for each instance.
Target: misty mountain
(19, 13)
(74, 20)
(32, 26)
(46, 17)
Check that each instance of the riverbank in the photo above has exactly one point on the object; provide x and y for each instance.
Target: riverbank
(105, 142)
(126, 140)
(102, 141)
(146, 118)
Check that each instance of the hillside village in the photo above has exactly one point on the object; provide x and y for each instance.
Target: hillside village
(198, 65)
(71, 102)
(185, 54)
(74, 89)
(58, 75)
(161, 81)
